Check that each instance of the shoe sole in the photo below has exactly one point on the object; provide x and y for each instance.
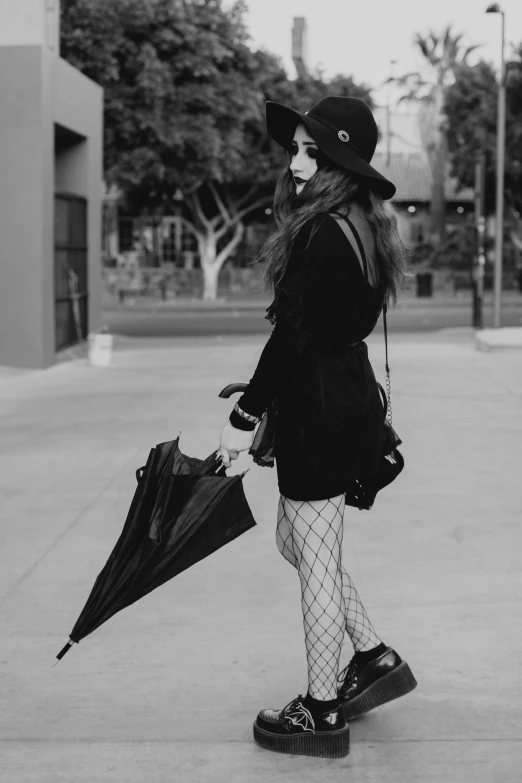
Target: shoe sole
(324, 745)
(392, 686)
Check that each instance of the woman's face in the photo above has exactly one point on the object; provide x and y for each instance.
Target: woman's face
(304, 158)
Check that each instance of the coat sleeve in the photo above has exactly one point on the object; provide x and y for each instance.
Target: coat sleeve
(268, 376)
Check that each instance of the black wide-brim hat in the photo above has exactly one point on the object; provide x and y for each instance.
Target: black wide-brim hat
(343, 128)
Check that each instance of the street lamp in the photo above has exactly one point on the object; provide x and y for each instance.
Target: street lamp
(501, 139)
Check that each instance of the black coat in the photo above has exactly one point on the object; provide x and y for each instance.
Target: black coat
(316, 366)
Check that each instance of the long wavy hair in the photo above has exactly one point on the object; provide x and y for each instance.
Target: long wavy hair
(331, 189)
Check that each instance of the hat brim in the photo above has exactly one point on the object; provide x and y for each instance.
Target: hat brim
(281, 122)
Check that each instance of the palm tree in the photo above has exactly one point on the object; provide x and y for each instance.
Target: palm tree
(442, 54)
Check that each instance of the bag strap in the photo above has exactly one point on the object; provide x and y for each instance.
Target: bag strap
(361, 254)
(384, 309)
(387, 366)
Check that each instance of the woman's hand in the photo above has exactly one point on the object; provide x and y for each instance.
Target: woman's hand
(233, 441)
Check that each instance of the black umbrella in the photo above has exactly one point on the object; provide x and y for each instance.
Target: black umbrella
(183, 509)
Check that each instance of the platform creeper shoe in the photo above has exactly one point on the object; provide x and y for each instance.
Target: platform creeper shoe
(303, 730)
(362, 687)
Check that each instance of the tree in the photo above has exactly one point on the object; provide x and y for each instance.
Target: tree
(471, 111)
(181, 107)
(184, 108)
(442, 53)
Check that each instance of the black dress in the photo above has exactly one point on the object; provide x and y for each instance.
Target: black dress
(314, 374)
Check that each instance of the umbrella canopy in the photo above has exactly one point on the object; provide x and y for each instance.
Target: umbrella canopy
(183, 509)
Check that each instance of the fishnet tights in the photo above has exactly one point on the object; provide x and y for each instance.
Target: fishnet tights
(309, 535)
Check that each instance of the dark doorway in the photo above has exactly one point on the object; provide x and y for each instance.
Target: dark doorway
(70, 270)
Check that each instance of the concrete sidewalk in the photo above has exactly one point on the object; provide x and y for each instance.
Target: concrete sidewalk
(168, 689)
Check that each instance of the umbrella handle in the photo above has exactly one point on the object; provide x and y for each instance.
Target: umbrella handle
(214, 461)
(232, 388)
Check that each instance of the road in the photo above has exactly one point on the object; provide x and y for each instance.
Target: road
(209, 321)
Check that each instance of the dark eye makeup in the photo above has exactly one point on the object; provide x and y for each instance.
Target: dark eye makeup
(311, 151)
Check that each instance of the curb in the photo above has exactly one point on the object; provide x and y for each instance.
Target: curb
(508, 337)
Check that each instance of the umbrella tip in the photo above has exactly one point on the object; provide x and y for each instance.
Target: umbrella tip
(63, 651)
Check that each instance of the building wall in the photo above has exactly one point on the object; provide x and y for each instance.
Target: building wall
(35, 22)
(22, 207)
(39, 90)
(77, 104)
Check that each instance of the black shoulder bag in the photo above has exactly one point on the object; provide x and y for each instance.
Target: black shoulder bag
(361, 493)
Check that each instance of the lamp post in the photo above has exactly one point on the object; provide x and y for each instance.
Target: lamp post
(480, 225)
(501, 140)
(388, 113)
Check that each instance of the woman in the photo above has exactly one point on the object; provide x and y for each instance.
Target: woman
(332, 275)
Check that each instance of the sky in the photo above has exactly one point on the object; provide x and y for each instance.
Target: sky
(359, 38)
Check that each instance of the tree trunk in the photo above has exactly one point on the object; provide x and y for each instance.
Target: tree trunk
(210, 282)
(211, 261)
(209, 232)
(210, 269)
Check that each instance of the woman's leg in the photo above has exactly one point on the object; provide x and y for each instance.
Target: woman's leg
(284, 534)
(300, 528)
(358, 626)
(316, 539)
